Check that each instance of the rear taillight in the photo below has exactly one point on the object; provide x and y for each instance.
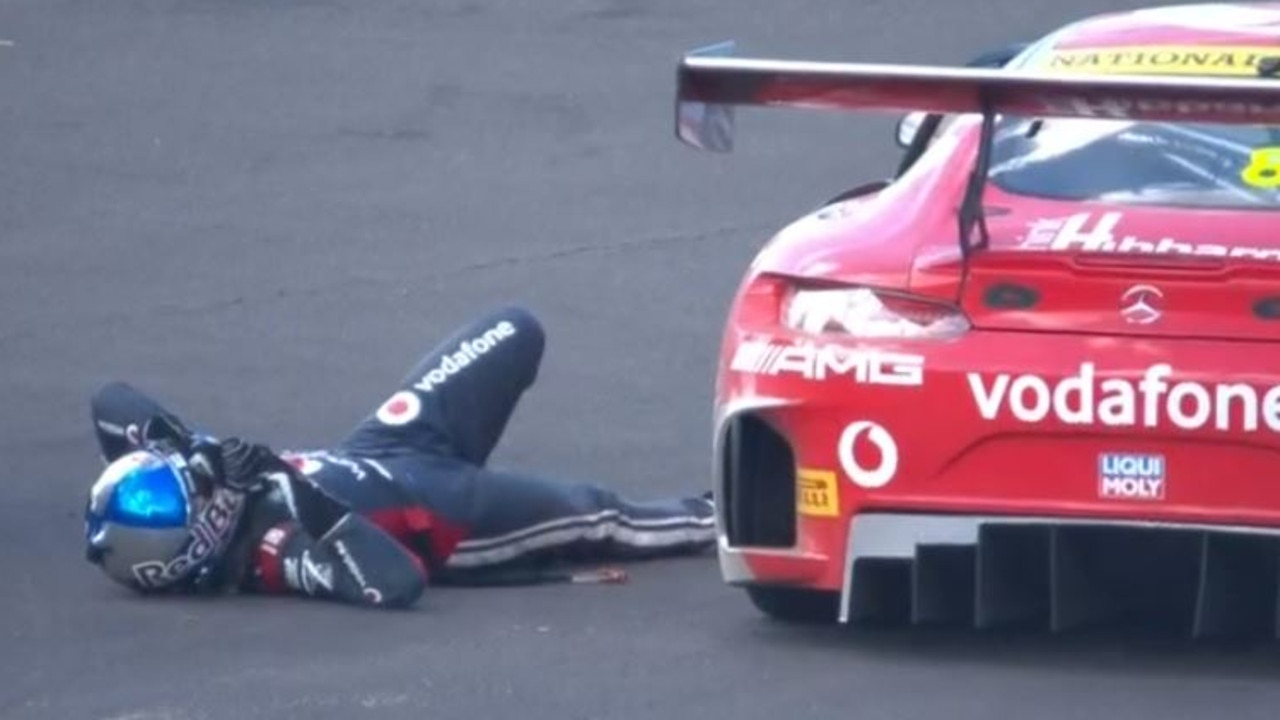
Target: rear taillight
(869, 313)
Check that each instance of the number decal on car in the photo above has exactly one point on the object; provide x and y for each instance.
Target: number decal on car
(1263, 170)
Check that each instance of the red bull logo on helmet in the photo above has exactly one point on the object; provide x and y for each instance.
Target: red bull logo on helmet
(213, 527)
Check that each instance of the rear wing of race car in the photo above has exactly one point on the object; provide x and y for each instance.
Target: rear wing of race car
(710, 83)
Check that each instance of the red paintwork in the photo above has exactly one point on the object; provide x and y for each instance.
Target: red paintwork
(951, 458)
(1213, 24)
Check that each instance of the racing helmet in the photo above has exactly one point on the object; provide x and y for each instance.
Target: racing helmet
(150, 526)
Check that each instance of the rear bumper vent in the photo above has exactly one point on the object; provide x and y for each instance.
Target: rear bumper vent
(759, 484)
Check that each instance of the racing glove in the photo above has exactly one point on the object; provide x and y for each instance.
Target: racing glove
(231, 463)
(240, 465)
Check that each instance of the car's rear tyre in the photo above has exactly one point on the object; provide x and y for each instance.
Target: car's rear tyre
(795, 605)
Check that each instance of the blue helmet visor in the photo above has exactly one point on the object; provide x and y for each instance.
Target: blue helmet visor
(151, 495)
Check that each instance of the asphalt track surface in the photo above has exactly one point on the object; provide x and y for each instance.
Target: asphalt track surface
(264, 210)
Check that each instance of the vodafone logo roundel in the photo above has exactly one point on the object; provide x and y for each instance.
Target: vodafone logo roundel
(863, 470)
(400, 409)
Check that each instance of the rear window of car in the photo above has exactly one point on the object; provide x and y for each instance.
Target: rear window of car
(1175, 164)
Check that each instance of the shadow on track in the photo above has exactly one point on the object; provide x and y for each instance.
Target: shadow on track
(1123, 652)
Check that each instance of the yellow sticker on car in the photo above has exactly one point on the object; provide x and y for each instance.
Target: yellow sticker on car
(1263, 170)
(817, 493)
(1161, 60)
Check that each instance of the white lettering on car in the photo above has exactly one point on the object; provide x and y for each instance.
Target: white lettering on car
(820, 362)
(1075, 234)
(468, 352)
(1150, 402)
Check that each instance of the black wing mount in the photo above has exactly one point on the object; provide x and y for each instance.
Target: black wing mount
(971, 216)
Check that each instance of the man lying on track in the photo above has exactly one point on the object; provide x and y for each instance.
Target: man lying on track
(404, 501)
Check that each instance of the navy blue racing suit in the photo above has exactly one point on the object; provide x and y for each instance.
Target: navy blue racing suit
(413, 477)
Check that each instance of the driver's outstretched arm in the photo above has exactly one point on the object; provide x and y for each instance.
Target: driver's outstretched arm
(119, 412)
(329, 552)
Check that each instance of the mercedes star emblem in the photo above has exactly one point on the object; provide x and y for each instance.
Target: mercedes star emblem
(1140, 304)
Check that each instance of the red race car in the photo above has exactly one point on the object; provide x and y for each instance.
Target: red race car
(1034, 378)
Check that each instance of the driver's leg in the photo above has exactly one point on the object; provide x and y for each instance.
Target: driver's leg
(459, 398)
(516, 518)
